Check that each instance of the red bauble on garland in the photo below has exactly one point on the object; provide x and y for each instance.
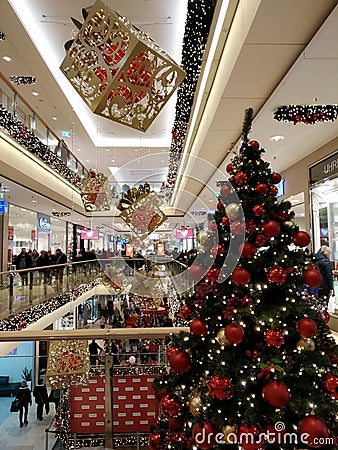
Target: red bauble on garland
(241, 178)
(185, 312)
(260, 240)
(240, 276)
(198, 327)
(330, 384)
(225, 190)
(274, 338)
(234, 333)
(312, 277)
(170, 351)
(301, 238)
(159, 394)
(247, 250)
(254, 145)
(229, 168)
(204, 435)
(277, 275)
(276, 394)
(262, 188)
(316, 429)
(154, 442)
(273, 191)
(180, 361)
(258, 210)
(170, 406)
(196, 272)
(276, 177)
(221, 388)
(307, 328)
(271, 228)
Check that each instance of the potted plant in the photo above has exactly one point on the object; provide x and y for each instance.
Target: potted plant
(27, 376)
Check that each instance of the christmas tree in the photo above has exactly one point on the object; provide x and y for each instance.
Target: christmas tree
(258, 369)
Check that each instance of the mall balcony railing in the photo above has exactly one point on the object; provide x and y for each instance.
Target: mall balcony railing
(24, 288)
(19, 120)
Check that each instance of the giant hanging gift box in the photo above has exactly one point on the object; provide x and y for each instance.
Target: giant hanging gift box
(68, 363)
(118, 70)
(95, 193)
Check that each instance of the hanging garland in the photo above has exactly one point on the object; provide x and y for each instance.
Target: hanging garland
(308, 114)
(22, 80)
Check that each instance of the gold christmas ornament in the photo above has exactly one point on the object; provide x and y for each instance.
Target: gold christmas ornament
(95, 193)
(195, 403)
(68, 363)
(229, 434)
(118, 70)
(222, 340)
(202, 237)
(232, 210)
(308, 345)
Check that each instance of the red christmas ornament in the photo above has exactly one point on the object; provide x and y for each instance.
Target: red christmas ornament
(204, 435)
(198, 327)
(250, 437)
(185, 312)
(254, 145)
(277, 275)
(159, 394)
(220, 388)
(331, 385)
(274, 338)
(218, 250)
(247, 250)
(301, 238)
(220, 206)
(271, 228)
(170, 351)
(225, 221)
(176, 424)
(325, 316)
(237, 228)
(262, 188)
(196, 272)
(307, 328)
(229, 168)
(276, 394)
(273, 191)
(241, 178)
(225, 190)
(212, 274)
(240, 276)
(180, 361)
(170, 406)
(312, 277)
(258, 210)
(234, 333)
(276, 177)
(316, 429)
(154, 441)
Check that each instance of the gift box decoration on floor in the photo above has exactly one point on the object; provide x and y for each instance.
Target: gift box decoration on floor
(68, 363)
(118, 70)
(140, 209)
(95, 193)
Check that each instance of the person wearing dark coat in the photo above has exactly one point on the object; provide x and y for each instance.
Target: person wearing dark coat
(322, 261)
(60, 258)
(40, 395)
(25, 398)
(23, 261)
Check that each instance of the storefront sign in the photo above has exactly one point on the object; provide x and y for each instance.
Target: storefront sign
(3, 207)
(43, 224)
(324, 169)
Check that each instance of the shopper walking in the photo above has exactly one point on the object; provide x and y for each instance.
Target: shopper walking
(23, 261)
(40, 395)
(25, 399)
(322, 261)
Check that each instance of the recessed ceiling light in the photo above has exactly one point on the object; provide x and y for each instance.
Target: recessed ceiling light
(7, 58)
(107, 149)
(136, 150)
(87, 160)
(35, 93)
(78, 149)
(33, 201)
(113, 160)
(54, 118)
(277, 138)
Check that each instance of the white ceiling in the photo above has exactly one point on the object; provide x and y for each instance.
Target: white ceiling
(269, 53)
